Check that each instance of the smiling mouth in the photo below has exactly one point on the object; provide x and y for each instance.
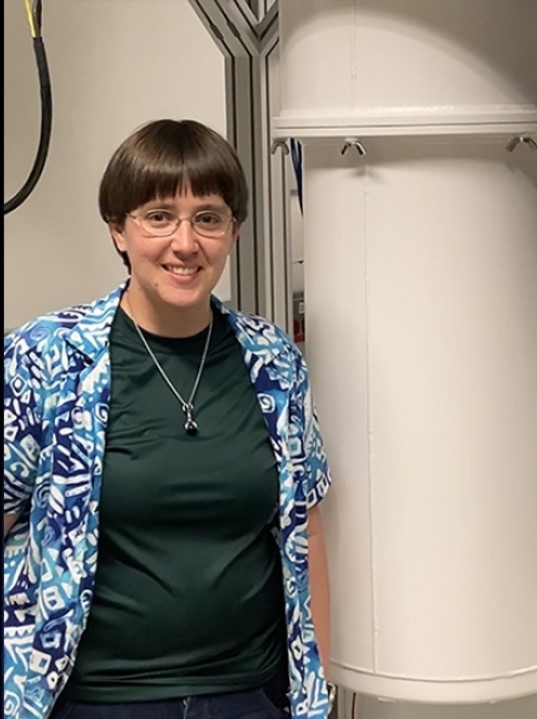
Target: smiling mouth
(181, 271)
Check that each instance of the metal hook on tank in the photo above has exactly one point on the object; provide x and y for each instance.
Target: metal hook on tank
(279, 143)
(354, 142)
(521, 140)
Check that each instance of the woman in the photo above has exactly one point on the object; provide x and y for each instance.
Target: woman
(163, 469)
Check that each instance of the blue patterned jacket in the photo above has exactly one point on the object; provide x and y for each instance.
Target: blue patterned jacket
(56, 399)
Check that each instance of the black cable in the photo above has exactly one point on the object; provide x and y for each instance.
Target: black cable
(38, 13)
(46, 128)
(353, 706)
(296, 156)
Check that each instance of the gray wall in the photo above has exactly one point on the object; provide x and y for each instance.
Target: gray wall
(114, 64)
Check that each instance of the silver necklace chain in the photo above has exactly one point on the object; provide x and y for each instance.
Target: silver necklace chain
(191, 426)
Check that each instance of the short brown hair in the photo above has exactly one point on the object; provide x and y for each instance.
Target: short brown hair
(166, 157)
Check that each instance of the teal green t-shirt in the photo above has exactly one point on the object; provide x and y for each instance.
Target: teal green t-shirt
(188, 595)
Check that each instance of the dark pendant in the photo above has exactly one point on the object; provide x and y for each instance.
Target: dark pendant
(191, 427)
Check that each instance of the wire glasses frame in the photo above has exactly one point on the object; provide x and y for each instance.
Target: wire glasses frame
(163, 223)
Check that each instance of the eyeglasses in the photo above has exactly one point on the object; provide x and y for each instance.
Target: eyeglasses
(163, 223)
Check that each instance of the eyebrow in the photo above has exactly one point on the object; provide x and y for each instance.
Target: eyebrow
(170, 205)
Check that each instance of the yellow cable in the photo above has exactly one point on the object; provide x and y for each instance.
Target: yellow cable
(31, 19)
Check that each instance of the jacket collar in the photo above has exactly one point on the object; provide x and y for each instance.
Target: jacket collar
(90, 335)
(256, 335)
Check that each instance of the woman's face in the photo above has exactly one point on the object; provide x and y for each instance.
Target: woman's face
(172, 277)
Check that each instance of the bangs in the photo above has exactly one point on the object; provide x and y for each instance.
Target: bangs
(171, 176)
(167, 158)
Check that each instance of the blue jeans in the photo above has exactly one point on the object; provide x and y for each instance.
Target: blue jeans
(269, 702)
(241, 705)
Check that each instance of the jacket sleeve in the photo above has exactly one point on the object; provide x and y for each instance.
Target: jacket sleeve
(317, 478)
(22, 422)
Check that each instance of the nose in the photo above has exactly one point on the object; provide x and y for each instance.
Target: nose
(184, 238)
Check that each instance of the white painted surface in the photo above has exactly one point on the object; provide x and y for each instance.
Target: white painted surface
(387, 64)
(372, 708)
(421, 298)
(428, 287)
(114, 65)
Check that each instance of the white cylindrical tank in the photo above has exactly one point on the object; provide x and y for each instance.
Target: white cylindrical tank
(420, 264)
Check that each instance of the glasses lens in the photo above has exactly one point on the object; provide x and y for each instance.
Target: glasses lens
(207, 223)
(211, 223)
(159, 223)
